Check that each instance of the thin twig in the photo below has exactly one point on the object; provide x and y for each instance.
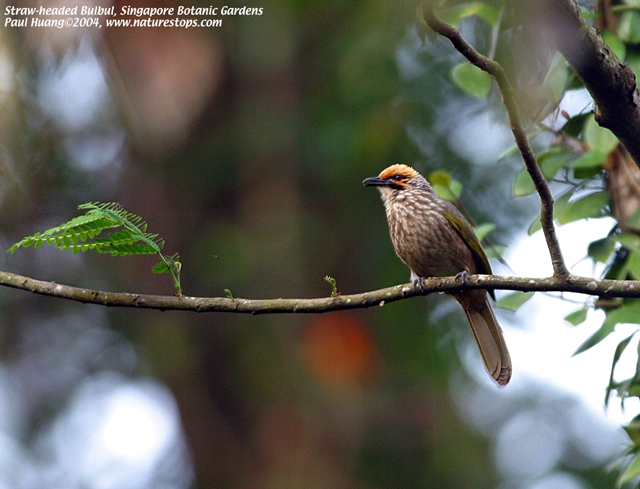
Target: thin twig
(519, 133)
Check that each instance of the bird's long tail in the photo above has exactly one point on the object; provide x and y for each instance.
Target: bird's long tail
(487, 333)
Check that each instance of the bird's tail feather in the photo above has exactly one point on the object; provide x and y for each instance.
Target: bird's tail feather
(488, 336)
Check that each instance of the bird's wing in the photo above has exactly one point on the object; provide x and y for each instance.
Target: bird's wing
(464, 229)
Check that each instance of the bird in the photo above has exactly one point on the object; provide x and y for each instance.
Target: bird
(432, 237)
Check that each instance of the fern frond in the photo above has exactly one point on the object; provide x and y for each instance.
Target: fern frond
(170, 263)
(117, 214)
(124, 249)
(129, 236)
(87, 223)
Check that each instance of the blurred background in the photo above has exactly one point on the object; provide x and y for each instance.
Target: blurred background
(244, 146)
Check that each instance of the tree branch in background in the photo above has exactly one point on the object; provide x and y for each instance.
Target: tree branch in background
(583, 285)
(519, 133)
(611, 83)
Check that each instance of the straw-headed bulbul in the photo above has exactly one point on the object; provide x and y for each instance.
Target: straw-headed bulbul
(435, 240)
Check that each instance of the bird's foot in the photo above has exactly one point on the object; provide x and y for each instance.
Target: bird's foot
(462, 277)
(419, 283)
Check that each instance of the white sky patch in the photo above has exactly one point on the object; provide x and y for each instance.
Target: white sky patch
(476, 129)
(573, 102)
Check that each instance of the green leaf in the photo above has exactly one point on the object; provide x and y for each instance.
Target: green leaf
(633, 265)
(555, 81)
(628, 313)
(550, 162)
(630, 472)
(445, 186)
(629, 241)
(591, 206)
(577, 317)
(633, 60)
(615, 43)
(589, 160)
(161, 267)
(616, 357)
(483, 230)
(514, 300)
(636, 377)
(495, 251)
(472, 79)
(599, 138)
(558, 208)
(574, 126)
(444, 193)
(634, 221)
(440, 177)
(523, 185)
(483, 10)
(594, 339)
(629, 27)
(601, 249)
(626, 6)
(633, 431)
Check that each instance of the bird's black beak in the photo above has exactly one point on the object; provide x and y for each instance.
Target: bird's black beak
(376, 182)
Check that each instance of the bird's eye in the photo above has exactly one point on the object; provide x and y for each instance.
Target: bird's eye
(397, 178)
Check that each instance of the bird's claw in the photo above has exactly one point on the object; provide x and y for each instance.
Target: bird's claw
(462, 277)
(419, 283)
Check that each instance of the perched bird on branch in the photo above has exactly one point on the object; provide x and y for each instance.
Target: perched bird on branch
(435, 240)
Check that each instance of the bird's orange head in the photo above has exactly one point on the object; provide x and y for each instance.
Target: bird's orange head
(397, 177)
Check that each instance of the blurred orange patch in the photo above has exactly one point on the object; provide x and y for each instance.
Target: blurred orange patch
(339, 349)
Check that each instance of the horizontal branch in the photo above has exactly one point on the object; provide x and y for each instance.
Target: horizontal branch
(582, 285)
